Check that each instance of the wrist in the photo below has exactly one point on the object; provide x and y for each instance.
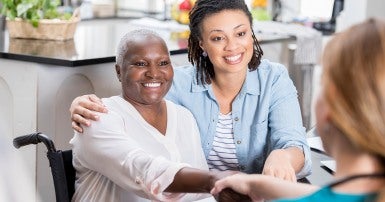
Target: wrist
(211, 181)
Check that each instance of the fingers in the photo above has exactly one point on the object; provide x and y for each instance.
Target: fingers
(80, 120)
(84, 108)
(229, 195)
(77, 127)
(217, 188)
(95, 99)
(226, 182)
(89, 103)
(83, 115)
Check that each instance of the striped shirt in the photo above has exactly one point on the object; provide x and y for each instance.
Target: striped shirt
(223, 153)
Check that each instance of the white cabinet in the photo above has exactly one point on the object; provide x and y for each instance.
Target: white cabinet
(36, 97)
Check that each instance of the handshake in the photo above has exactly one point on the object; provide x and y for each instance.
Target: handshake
(229, 195)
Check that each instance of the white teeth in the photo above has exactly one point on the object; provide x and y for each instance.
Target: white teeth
(152, 85)
(233, 58)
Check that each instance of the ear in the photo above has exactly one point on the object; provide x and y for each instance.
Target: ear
(117, 69)
(201, 45)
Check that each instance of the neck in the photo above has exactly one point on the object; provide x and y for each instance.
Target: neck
(233, 81)
(226, 87)
(350, 163)
(155, 115)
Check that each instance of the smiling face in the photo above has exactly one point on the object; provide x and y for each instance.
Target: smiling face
(227, 39)
(146, 72)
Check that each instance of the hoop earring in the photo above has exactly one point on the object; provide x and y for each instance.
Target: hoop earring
(204, 54)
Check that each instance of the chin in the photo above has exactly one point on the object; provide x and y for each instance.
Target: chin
(152, 101)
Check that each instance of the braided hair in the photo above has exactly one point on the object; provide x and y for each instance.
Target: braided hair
(202, 9)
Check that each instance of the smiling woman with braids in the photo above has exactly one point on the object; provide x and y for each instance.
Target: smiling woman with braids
(246, 108)
(350, 114)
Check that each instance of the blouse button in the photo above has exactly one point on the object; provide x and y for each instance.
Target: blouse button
(137, 180)
(236, 119)
(239, 142)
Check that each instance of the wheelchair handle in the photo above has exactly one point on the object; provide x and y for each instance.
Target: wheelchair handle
(34, 138)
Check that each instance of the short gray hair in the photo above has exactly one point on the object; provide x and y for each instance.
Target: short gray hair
(131, 36)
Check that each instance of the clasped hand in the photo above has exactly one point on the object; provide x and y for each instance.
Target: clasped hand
(229, 195)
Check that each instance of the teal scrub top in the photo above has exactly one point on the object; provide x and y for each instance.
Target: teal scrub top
(327, 194)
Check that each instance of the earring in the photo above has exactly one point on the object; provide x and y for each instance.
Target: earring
(204, 54)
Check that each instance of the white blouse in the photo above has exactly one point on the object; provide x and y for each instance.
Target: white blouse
(123, 158)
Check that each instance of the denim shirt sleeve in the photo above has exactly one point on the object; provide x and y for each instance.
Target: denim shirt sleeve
(285, 121)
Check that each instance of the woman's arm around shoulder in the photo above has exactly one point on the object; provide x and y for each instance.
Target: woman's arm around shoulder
(83, 109)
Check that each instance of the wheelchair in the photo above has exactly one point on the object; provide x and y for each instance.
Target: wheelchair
(62, 171)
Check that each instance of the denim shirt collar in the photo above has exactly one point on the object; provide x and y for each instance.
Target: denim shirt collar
(251, 85)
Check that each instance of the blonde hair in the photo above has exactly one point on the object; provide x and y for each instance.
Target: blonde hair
(354, 62)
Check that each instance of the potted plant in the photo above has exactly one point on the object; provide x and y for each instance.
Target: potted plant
(38, 19)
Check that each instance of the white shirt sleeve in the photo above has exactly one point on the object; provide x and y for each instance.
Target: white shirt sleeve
(105, 148)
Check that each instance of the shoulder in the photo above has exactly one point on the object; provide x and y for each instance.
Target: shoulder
(112, 101)
(115, 104)
(181, 111)
(117, 107)
(184, 75)
(183, 116)
(274, 74)
(269, 74)
(185, 70)
(271, 68)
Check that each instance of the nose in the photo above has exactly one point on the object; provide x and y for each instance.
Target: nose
(152, 71)
(231, 44)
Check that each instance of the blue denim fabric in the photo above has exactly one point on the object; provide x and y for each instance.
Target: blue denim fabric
(266, 114)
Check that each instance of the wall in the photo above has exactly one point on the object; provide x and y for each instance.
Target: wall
(356, 11)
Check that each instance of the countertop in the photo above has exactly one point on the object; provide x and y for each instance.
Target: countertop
(95, 42)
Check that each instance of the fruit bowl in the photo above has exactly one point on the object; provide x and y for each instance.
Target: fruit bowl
(180, 10)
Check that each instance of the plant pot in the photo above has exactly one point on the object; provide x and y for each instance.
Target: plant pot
(43, 48)
(48, 29)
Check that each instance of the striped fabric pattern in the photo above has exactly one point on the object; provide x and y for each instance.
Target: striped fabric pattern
(223, 153)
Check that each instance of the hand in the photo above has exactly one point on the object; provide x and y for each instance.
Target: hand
(217, 175)
(278, 164)
(229, 195)
(83, 110)
(235, 188)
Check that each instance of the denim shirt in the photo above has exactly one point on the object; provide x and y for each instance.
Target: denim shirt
(266, 114)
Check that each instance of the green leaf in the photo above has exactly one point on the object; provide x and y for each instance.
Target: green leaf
(66, 16)
(35, 22)
(32, 10)
(23, 8)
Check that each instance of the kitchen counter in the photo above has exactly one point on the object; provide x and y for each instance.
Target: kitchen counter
(94, 42)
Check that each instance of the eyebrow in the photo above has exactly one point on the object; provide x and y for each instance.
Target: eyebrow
(218, 30)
